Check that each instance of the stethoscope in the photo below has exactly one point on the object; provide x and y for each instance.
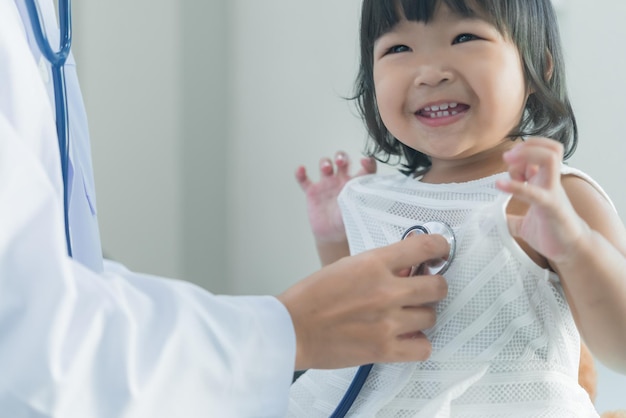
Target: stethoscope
(57, 61)
(438, 266)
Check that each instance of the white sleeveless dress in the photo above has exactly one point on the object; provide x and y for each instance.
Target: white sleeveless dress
(505, 343)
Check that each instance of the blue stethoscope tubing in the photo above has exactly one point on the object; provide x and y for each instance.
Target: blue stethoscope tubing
(353, 391)
(57, 61)
(436, 267)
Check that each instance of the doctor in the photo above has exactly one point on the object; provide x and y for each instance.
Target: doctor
(82, 337)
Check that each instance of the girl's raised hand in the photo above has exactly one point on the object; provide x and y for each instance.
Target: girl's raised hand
(551, 226)
(321, 197)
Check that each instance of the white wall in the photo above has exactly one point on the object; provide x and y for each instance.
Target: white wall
(130, 80)
(156, 90)
(292, 63)
(199, 124)
(596, 68)
(597, 64)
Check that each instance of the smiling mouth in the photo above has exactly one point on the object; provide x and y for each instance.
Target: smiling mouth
(442, 110)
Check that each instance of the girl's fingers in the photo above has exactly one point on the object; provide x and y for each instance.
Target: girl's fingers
(545, 143)
(326, 167)
(539, 164)
(525, 192)
(302, 178)
(340, 166)
(532, 155)
(368, 166)
(342, 161)
(536, 151)
(515, 224)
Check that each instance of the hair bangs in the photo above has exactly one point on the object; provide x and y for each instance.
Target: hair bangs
(383, 15)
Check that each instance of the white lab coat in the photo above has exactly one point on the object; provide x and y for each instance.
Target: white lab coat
(78, 341)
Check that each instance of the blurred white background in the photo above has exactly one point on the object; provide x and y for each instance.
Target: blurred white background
(201, 111)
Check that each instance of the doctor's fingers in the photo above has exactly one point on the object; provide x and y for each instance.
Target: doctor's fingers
(415, 292)
(413, 251)
(412, 347)
(409, 343)
(415, 320)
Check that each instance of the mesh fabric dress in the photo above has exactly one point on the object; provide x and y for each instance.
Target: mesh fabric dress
(505, 343)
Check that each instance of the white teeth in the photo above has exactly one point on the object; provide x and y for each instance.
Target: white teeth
(441, 110)
(443, 106)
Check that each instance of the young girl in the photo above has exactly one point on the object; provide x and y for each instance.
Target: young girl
(461, 91)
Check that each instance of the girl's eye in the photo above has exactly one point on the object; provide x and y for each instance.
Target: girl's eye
(398, 49)
(464, 37)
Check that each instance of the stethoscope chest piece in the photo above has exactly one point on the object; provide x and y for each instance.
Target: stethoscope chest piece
(437, 266)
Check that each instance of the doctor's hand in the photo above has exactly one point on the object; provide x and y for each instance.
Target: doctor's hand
(365, 309)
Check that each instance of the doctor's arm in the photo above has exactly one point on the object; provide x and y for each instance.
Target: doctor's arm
(74, 343)
(77, 344)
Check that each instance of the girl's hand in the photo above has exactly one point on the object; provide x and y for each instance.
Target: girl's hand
(322, 207)
(551, 226)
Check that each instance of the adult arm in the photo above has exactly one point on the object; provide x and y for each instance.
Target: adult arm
(74, 343)
(77, 344)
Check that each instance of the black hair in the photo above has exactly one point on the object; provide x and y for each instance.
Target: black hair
(532, 27)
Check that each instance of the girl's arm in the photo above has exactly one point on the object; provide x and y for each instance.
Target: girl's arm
(581, 236)
(594, 274)
(322, 206)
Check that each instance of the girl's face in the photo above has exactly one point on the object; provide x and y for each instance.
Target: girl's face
(452, 89)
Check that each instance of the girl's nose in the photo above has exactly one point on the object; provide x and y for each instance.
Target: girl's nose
(432, 75)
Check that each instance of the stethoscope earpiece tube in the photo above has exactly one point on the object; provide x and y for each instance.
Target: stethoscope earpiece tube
(57, 61)
(431, 267)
